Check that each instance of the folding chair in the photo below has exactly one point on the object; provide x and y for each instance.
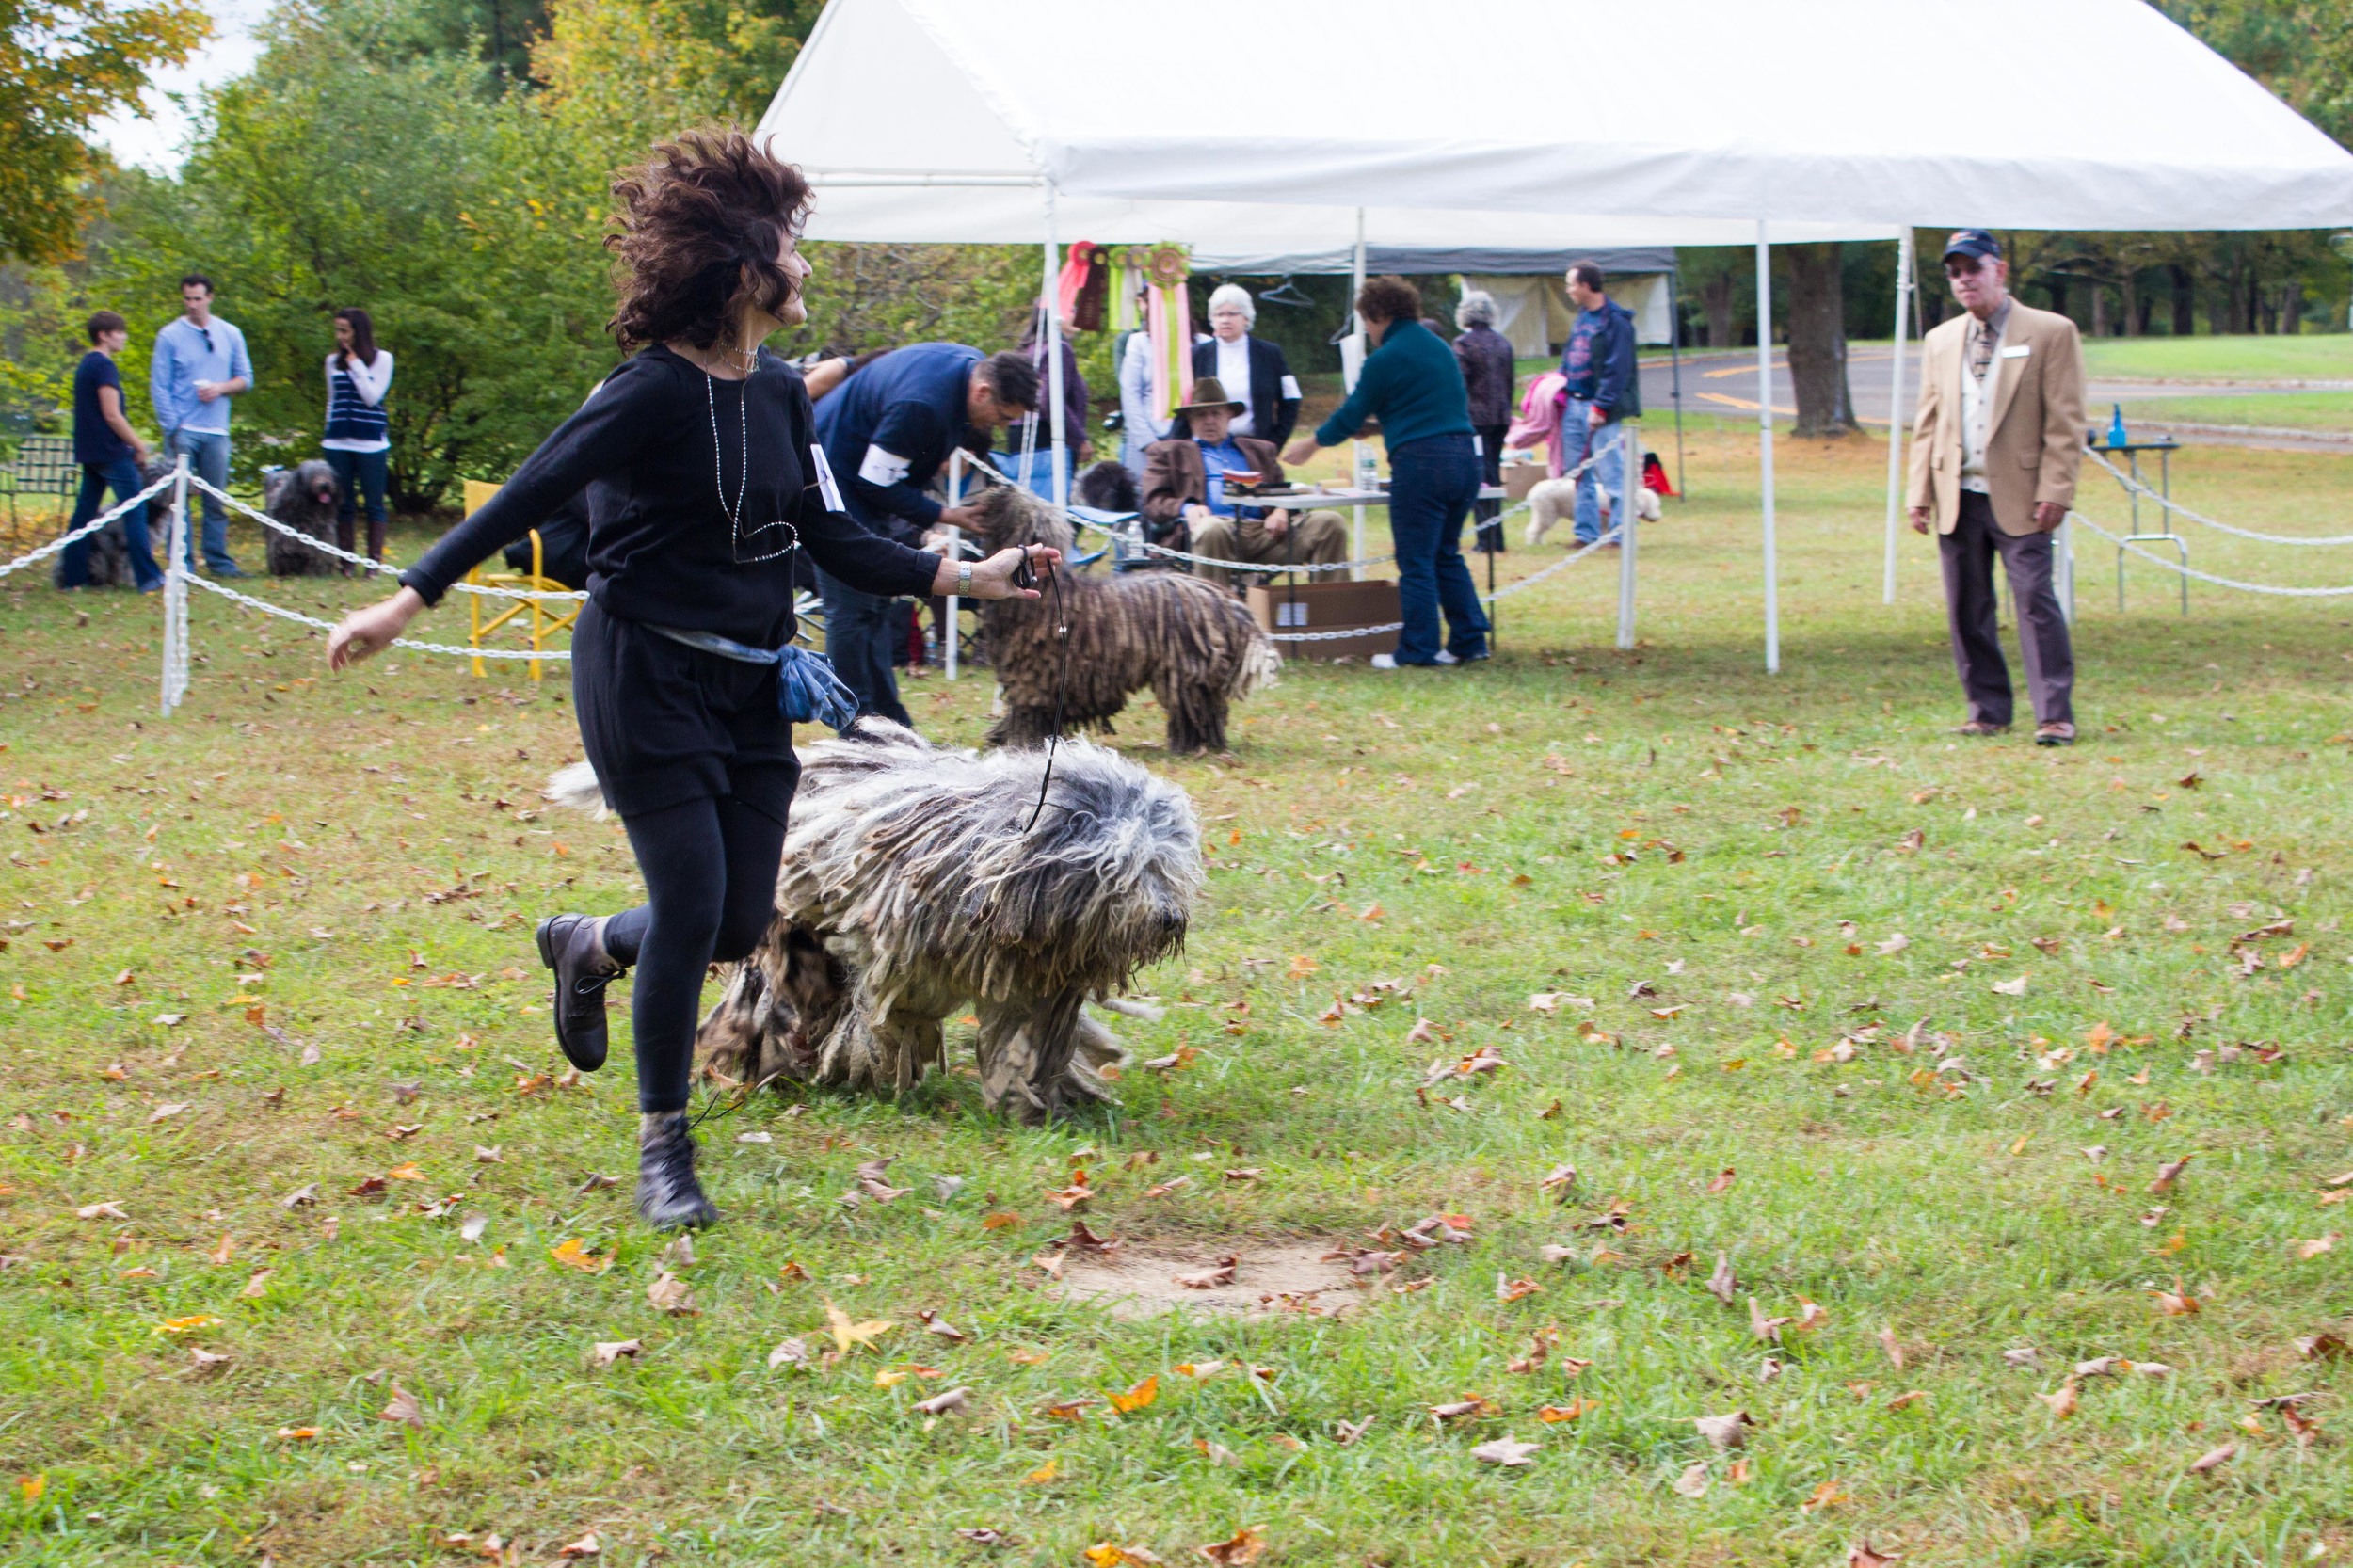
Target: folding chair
(544, 623)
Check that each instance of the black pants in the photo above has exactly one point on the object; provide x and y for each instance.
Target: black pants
(1488, 514)
(358, 474)
(710, 889)
(861, 632)
(691, 751)
(1968, 553)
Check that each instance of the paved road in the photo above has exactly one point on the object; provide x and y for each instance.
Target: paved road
(1725, 384)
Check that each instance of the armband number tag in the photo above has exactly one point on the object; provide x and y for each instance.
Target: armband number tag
(882, 467)
(826, 485)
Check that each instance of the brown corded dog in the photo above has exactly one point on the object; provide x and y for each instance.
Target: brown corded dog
(1194, 646)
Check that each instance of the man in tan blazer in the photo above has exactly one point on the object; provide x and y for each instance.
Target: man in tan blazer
(1995, 446)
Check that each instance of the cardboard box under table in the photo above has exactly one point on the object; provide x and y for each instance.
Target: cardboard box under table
(1330, 607)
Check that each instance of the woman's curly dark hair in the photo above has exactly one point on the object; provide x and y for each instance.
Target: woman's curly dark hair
(697, 236)
(1389, 299)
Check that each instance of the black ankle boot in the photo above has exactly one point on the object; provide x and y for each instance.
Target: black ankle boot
(668, 1196)
(573, 947)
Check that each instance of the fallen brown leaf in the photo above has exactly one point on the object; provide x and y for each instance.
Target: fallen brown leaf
(404, 1409)
(1245, 1546)
(1726, 1432)
(1506, 1451)
(2213, 1458)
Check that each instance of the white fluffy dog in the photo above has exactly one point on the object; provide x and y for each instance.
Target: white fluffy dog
(915, 889)
(1552, 500)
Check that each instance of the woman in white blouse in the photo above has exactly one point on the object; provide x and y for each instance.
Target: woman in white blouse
(358, 440)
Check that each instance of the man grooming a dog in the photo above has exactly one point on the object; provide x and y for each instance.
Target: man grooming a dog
(886, 431)
(1186, 506)
(1995, 445)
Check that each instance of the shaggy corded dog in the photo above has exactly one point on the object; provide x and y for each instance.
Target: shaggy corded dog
(1193, 646)
(303, 499)
(910, 893)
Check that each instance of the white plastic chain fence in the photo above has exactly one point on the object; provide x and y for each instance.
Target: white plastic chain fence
(2272, 588)
(101, 521)
(362, 561)
(2135, 487)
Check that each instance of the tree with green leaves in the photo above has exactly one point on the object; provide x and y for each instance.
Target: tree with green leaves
(64, 66)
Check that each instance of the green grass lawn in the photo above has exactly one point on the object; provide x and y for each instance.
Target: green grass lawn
(1898, 1026)
(2311, 410)
(2314, 357)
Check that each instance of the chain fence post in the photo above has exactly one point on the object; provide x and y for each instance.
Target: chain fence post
(175, 672)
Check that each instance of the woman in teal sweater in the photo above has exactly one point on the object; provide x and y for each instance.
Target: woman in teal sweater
(1413, 386)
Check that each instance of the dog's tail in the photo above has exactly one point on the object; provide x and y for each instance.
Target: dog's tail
(576, 787)
(1259, 667)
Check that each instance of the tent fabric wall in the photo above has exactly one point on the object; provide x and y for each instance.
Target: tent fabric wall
(1535, 314)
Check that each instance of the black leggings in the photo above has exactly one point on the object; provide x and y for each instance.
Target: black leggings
(711, 888)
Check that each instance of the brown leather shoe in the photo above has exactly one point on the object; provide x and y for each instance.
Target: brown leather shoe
(1980, 727)
(2055, 735)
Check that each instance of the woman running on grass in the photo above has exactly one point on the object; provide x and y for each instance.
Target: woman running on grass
(696, 454)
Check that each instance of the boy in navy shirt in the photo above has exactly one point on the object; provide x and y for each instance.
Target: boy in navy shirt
(111, 455)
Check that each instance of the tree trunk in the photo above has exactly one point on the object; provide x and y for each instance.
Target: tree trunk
(1818, 340)
(2292, 307)
(2136, 310)
(2099, 310)
(2184, 303)
(1716, 299)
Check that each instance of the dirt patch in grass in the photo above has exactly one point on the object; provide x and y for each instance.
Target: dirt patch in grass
(1141, 1281)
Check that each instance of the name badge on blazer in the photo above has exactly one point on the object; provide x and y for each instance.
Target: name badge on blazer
(2017, 351)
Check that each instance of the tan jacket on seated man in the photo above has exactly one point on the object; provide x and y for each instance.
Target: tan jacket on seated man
(1176, 494)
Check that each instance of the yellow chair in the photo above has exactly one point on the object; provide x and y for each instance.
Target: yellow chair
(545, 622)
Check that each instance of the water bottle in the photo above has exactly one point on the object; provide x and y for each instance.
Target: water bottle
(2117, 438)
(1368, 469)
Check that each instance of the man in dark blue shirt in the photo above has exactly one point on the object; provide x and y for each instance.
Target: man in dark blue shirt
(886, 431)
(1602, 389)
(111, 455)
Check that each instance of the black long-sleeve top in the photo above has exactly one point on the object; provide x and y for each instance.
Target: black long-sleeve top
(661, 547)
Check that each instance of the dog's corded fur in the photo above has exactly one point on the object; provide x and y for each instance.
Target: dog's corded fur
(304, 499)
(1194, 645)
(909, 894)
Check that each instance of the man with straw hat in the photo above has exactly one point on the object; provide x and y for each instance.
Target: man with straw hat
(1186, 505)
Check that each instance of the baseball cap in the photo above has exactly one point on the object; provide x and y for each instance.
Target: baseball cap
(1973, 242)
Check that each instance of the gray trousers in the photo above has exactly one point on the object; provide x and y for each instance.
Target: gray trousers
(1968, 555)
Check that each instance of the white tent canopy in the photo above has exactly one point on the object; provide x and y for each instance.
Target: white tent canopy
(952, 120)
(2081, 114)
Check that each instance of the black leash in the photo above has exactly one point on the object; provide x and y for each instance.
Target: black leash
(1024, 577)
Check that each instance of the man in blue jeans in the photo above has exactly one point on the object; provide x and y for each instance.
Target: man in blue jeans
(1602, 389)
(199, 365)
(111, 455)
(886, 431)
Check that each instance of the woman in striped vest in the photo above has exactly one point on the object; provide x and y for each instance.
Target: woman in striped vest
(358, 441)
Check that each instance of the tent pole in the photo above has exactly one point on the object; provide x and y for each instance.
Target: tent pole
(1765, 441)
(1355, 447)
(1053, 353)
(1630, 484)
(1895, 411)
(1674, 356)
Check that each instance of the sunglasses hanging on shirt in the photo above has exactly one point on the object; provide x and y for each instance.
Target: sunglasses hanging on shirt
(718, 460)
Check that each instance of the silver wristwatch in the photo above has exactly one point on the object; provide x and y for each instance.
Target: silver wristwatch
(964, 579)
